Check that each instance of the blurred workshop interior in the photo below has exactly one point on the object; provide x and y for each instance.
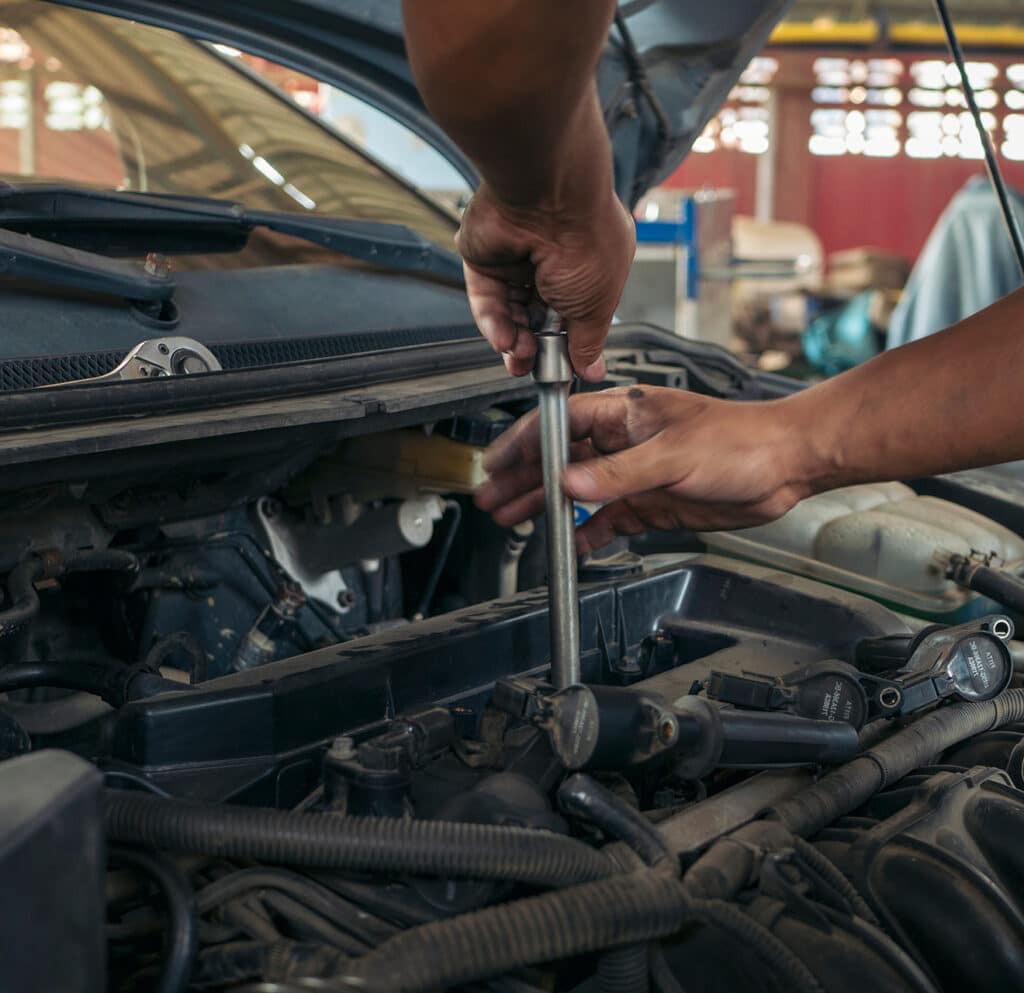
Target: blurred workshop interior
(844, 161)
(835, 206)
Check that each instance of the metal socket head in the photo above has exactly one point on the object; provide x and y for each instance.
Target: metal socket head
(552, 364)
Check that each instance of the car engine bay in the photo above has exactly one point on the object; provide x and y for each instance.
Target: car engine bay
(283, 724)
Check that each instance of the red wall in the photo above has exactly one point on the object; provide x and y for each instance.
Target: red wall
(851, 200)
(725, 168)
(888, 203)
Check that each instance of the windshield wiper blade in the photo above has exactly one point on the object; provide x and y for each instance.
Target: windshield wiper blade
(53, 208)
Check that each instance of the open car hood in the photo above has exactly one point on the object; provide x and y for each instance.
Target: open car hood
(659, 85)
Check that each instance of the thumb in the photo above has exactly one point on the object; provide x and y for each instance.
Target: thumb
(586, 347)
(628, 472)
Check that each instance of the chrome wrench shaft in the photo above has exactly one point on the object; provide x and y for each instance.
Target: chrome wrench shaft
(553, 375)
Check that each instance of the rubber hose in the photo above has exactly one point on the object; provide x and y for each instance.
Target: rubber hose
(366, 844)
(182, 920)
(582, 797)
(750, 934)
(113, 682)
(593, 917)
(1003, 587)
(326, 903)
(21, 594)
(89, 677)
(100, 560)
(846, 788)
(178, 641)
(266, 964)
(830, 873)
(624, 970)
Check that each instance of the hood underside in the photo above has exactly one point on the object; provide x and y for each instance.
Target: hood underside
(667, 68)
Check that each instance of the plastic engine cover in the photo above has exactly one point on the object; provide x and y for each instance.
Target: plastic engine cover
(880, 540)
(52, 865)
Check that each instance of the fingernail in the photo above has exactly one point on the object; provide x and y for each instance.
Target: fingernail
(596, 371)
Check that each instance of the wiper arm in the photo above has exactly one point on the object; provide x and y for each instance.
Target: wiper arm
(48, 262)
(52, 208)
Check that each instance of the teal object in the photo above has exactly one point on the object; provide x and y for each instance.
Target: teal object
(841, 339)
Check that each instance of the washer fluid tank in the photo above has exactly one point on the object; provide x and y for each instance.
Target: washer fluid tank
(881, 540)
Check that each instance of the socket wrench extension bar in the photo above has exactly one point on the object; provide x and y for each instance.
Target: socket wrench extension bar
(553, 376)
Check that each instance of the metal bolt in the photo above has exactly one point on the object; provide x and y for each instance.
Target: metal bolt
(157, 265)
(346, 599)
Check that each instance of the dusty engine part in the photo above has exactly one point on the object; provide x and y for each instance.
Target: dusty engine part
(51, 853)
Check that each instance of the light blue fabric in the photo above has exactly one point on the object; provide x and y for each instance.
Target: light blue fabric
(966, 264)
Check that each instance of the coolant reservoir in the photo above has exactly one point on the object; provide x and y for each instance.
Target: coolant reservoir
(880, 540)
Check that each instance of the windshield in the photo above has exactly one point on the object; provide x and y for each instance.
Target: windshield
(100, 101)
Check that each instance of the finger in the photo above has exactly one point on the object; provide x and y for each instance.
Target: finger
(521, 442)
(520, 293)
(520, 313)
(504, 323)
(517, 367)
(647, 466)
(523, 508)
(489, 304)
(610, 522)
(586, 348)
(509, 484)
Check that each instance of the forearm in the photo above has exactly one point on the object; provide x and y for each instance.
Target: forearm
(950, 401)
(511, 81)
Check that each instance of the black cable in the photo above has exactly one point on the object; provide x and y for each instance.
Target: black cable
(22, 599)
(454, 508)
(991, 162)
(332, 908)
(638, 75)
(831, 874)
(317, 928)
(182, 920)
(300, 986)
(113, 682)
(136, 780)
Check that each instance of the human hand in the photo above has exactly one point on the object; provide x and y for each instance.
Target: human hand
(574, 258)
(656, 458)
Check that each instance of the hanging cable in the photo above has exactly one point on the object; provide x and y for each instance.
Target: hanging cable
(995, 174)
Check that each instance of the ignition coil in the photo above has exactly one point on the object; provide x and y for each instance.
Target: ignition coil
(967, 662)
(615, 728)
